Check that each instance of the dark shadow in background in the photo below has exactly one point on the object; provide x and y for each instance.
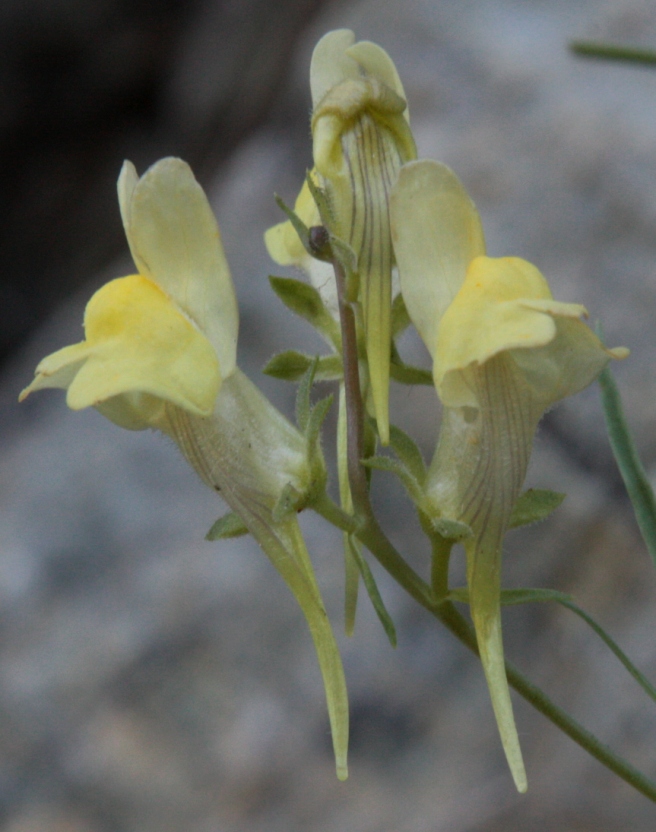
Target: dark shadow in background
(84, 85)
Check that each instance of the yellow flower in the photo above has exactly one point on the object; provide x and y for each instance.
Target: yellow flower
(361, 137)
(160, 352)
(503, 352)
(167, 334)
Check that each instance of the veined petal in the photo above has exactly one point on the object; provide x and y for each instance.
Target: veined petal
(175, 241)
(436, 232)
(250, 452)
(139, 349)
(361, 137)
(475, 478)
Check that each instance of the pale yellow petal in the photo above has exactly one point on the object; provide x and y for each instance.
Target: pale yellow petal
(505, 305)
(376, 62)
(175, 241)
(490, 314)
(567, 364)
(282, 241)
(57, 370)
(330, 65)
(127, 182)
(436, 232)
(138, 342)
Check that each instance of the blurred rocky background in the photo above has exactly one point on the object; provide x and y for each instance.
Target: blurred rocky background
(153, 682)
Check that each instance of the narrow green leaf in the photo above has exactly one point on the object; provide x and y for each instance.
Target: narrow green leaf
(394, 466)
(406, 373)
(511, 597)
(626, 455)
(372, 590)
(534, 505)
(299, 226)
(306, 302)
(644, 683)
(290, 365)
(317, 416)
(408, 453)
(613, 52)
(319, 196)
(230, 525)
(303, 395)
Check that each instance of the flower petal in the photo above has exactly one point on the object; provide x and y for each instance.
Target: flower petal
(567, 364)
(330, 64)
(138, 348)
(175, 241)
(505, 305)
(57, 370)
(127, 181)
(436, 232)
(375, 61)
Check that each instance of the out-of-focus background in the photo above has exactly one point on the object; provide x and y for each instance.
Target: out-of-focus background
(152, 681)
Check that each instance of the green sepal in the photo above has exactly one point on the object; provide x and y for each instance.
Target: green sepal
(299, 227)
(290, 501)
(303, 406)
(322, 202)
(394, 466)
(372, 590)
(305, 301)
(400, 318)
(451, 529)
(291, 365)
(408, 453)
(230, 525)
(318, 471)
(339, 249)
(317, 415)
(534, 505)
(406, 373)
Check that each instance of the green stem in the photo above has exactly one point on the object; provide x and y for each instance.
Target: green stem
(609, 51)
(637, 485)
(440, 565)
(366, 528)
(459, 626)
(448, 615)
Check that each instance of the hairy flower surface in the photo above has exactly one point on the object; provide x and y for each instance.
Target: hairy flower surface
(361, 137)
(160, 352)
(503, 352)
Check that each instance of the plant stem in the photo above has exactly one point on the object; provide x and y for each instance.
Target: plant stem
(365, 527)
(609, 51)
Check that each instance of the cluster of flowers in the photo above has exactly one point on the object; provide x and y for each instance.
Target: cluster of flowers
(160, 346)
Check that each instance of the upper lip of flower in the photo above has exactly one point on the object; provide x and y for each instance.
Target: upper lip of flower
(175, 241)
(168, 333)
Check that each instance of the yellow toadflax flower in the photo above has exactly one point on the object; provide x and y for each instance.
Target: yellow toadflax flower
(160, 352)
(503, 352)
(361, 137)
